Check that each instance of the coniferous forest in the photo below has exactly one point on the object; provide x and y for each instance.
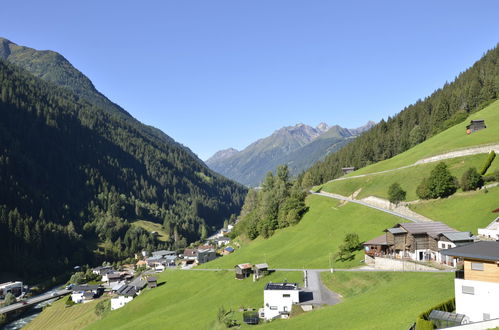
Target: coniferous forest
(471, 91)
(73, 178)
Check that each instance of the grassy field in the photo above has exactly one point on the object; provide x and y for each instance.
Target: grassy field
(464, 211)
(375, 301)
(409, 178)
(150, 227)
(59, 317)
(310, 243)
(190, 300)
(451, 139)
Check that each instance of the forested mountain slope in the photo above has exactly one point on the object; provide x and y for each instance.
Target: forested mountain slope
(73, 175)
(471, 91)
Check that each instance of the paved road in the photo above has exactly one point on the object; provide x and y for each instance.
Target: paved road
(348, 199)
(363, 269)
(34, 300)
(320, 294)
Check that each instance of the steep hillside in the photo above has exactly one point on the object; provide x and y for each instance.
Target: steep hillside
(471, 91)
(73, 174)
(297, 146)
(315, 239)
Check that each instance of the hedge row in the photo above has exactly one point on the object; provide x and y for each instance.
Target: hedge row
(488, 162)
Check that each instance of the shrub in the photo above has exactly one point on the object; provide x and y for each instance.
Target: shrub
(440, 183)
(396, 194)
(471, 180)
(423, 190)
(488, 162)
(69, 302)
(102, 308)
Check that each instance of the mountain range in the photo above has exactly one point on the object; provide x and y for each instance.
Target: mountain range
(298, 146)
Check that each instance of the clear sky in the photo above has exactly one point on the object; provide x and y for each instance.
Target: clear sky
(224, 73)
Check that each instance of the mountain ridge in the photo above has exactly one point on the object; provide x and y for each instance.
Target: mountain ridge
(283, 146)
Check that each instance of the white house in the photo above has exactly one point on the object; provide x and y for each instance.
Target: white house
(278, 299)
(491, 231)
(16, 288)
(477, 286)
(125, 295)
(449, 240)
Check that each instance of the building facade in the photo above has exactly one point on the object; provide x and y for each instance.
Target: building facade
(278, 299)
(477, 285)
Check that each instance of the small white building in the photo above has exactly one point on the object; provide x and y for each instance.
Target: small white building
(16, 288)
(278, 299)
(477, 286)
(125, 295)
(491, 231)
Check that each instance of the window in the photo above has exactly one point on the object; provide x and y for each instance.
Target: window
(486, 316)
(274, 308)
(477, 266)
(286, 295)
(468, 289)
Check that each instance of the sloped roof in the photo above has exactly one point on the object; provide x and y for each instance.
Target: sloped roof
(484, 250)
(380, 240)
(432, 228)
(190, 252)
(281, 286)
(458, 236)
(494, 225)
(397, 230)
(244, 266)
(127, 290)
(261, 266)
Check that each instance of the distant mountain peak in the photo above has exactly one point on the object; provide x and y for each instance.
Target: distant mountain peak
(323, 127)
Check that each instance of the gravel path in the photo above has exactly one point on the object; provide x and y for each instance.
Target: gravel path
(452, 154)
(348, 199)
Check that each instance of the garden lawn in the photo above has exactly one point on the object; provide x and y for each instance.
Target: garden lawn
(464, 211)
(311, 242)
(375, 300)
(408, 178)
(190, 300)
(58, 317)
(454, 138)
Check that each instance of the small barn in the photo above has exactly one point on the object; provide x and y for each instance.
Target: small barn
(260, 270)
(152, 282)
(475, 125)
(347, 170)
(243, 271)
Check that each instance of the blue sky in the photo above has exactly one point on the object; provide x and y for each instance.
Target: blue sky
(219, 74)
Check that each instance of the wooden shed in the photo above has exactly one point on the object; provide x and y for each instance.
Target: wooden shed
(475, 125)
(243, 271)
(347, 170)
(152, 282)
(260, 270)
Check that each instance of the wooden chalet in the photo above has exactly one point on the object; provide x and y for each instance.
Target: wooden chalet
(243, 271)
(420, 241)
(152, 282)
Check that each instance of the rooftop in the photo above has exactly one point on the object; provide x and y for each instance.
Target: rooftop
(261, 266)
(479, 250)
(458, 236)
(151, 279)
(127, 290)
(431, 228)
(85, 287)
(494, 225)
(281, 286)
(244, 266)
(380, 240)
(163, 253)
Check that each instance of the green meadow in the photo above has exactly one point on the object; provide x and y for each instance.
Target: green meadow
(375, 300)
(312, 242)
(408, 178)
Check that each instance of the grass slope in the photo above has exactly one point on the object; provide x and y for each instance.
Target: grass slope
(58, 316)
(451, 139)
(310, 243)
(152, 226)
(190, 300)
(464, 211)
(409, 178)
(375, 301)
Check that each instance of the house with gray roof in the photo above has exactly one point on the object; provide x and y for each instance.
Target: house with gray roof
(417, 241)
